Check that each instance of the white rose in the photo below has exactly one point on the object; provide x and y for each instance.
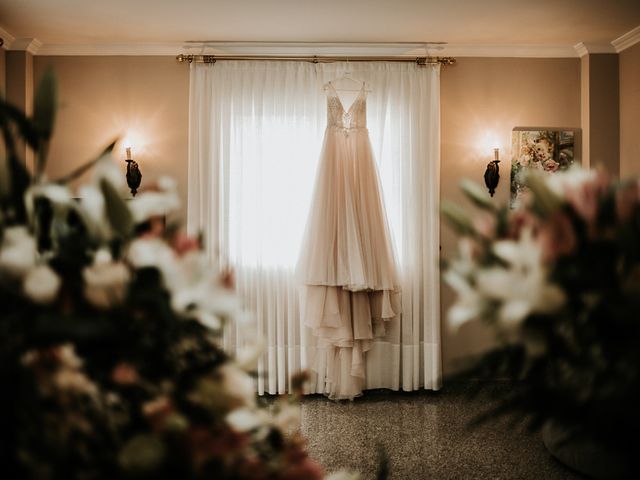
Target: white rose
(288, 417)
(93, 208)
(247, 419)
(248, 356)
(105, 281)
(42, 284)
(153, 252)
(153, 203)
(238, 384)
(18, 252)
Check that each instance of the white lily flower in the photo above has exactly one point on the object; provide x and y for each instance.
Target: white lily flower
(195, 284)
(522, 287)
(209, 320)
(237, 383)
(106, 281)
(42, 284)
(93, 207)
(154, 252)
(469, 303)
(18, 252)
(570, 179)
(247, 419)
(288, 417)
(152, 203)
(247, 357)
(58, 194)
(109, 170)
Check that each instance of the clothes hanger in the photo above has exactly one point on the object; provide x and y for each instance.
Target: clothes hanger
(346, 75)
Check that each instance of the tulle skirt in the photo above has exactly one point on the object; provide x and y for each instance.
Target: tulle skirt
(347, 266)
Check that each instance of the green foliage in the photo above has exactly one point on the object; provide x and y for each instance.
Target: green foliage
(477, 195)
(44, 114)
(457, 218)
(74, 174)
(118, 214)
(579, 365)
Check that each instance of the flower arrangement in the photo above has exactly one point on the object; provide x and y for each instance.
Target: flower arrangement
(109, 353)
(559, 281)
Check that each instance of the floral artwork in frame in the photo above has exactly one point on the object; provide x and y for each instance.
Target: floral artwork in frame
(547, 150)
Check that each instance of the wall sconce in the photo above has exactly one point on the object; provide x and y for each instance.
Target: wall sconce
(492, 173)
(134, 176)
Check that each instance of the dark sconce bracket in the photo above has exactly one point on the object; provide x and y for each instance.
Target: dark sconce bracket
(134, 176)
(492, 173)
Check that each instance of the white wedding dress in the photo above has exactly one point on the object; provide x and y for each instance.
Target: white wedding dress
(347, 266)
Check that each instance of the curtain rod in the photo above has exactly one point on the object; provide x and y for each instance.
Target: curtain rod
(317, 59)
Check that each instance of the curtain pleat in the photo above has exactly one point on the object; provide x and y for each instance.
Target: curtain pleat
(255, 134)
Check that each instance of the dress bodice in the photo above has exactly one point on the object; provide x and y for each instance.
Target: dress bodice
(353, 118)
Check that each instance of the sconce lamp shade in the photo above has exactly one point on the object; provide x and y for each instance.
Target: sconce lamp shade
(134, 176)
(492, 173)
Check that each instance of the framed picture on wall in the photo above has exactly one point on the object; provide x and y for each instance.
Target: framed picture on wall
(545, 149)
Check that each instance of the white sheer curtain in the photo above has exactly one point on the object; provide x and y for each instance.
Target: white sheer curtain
(255, 132)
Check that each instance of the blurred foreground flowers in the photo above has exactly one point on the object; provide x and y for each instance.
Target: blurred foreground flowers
(109, 325)
(559, 281)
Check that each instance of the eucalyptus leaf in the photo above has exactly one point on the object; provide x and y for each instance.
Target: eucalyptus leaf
(477, 195)
(5, 179)
(118, 213)
(19, 181)
(545, 201)
(86, 166)
(10, 115)
(44, 114)
(457, 218)
(45, 104)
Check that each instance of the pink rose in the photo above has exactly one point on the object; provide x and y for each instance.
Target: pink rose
(182, 244)
(124, 374)
(520, 220)
(556, 236)
(585, 197)
(485, 224)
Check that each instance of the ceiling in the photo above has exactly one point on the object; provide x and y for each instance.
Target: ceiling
(549, 23)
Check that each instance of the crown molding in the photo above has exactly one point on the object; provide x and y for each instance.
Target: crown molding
(31, 45)
(627, 40)
(514, 51)
(583, 48)
(288, 48)
(309, 48)
(7, 37)
(239, 48)
(112, 49)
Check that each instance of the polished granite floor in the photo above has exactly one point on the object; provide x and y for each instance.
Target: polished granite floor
(425, 436)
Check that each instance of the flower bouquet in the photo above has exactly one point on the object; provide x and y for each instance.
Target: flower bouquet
(109, 327)
(559, 281)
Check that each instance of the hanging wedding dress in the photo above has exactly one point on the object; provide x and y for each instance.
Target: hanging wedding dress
(347, 265)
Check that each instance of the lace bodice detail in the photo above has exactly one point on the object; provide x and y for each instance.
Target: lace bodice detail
(353, 118)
